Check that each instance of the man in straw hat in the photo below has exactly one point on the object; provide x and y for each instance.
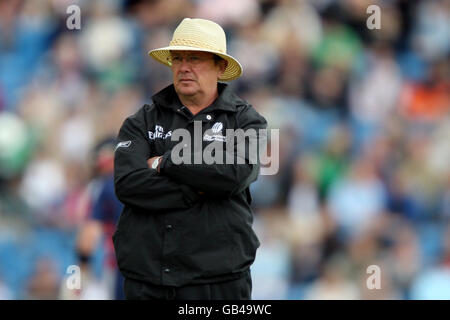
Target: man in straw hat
(186, 228)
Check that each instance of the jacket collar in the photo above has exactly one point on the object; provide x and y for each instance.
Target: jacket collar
(226, 100)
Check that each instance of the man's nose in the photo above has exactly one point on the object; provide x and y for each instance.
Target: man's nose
(185, 64)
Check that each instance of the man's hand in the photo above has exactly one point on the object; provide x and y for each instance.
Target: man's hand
(150, 162)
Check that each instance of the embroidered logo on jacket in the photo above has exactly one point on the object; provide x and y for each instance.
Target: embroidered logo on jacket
(159, 133)
(217, 127)
(123, 144)
(217, 133)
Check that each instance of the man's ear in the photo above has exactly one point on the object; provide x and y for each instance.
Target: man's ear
(222, 66)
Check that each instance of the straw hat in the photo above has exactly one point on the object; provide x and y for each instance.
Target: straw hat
(200, 35)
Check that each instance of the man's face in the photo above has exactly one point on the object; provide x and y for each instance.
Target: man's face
(195, 72)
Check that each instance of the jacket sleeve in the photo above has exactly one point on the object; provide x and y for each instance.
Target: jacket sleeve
(222, 179)
(138, 185)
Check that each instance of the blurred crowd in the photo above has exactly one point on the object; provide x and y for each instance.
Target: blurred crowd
(364, 146)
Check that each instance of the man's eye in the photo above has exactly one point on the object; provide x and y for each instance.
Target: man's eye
(176, 59)
(194, 59)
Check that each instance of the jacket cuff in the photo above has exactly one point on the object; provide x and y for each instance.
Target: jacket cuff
(164, 162)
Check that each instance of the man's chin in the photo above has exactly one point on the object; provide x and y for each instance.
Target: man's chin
(186, 91)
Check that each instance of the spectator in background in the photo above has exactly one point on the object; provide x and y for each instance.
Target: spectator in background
(44, 281)
(335, 284)
(356, 199)
(271, 272)
(303, 200)
(374, 92)
(428, 101)
(5, 292)
(101, 223)
(25, 35)
(434, 282)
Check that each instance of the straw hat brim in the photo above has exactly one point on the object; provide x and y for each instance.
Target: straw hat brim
(233, 70)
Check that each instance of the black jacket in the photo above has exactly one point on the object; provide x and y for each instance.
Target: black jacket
(169, 233)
